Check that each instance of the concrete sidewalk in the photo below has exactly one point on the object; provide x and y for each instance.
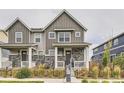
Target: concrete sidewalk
(46, 80)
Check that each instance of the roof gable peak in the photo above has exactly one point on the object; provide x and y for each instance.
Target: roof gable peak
(64, 11)
(16, 19)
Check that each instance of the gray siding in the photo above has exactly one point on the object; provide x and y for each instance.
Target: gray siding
(63, 22)
(18, 27)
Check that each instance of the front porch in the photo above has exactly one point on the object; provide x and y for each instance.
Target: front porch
(79, 51)
(20, 55)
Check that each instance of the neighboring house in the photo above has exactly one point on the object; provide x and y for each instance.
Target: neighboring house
(54, 44)
(3, 39)
(116, 45)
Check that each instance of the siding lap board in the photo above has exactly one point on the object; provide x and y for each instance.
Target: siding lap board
(64, 22)
(18, 27)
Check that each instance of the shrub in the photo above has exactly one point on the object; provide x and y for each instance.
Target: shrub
(62, 73)
(4, 73)
(59, 73)
(50, 73)
(23, 73)
(34, 72)
(93, 81)
(14, 71)
(41, 72)
(9, 73)
(95, 71)
(117, 72)
(106, 72)
(105, 81)
(122, 74)
(82, 73)
(84, 81)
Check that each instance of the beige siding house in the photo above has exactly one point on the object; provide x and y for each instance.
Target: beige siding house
(55, 44)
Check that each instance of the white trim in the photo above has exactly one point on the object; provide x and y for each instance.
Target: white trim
(115, 41)
(16, 37)
(0, 57)
(52, 33)
(80, 62)
(110, 49)
(17, 19)
(56, 57)
(64, 11)
(53, 50)
(113, 55)
(36, 37)
(30, 57)
(63, 64)
(64, 37)
(76, 34)
(29, 37)
(64, 29)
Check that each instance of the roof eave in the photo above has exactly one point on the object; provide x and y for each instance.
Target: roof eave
(85, 29)
(17, 19)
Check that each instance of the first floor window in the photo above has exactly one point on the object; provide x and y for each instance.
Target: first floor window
(18, 37)
(51, 52)
(40, 52)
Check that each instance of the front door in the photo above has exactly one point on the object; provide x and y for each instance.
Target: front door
(68, 56)
(67, 66)
(24, 55)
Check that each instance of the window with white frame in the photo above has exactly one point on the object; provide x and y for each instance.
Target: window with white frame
(77, 34)
(105, 46)
(37, 38)
(52, 35)
(64, 37)
(18, 37)
(51, 52)
(115, 42)
(40, 52)
(96, 49)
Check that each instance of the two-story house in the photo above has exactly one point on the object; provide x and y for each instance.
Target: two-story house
(54, 44)
(116, 47)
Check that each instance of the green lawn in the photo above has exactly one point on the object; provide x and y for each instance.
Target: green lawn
(15, 81)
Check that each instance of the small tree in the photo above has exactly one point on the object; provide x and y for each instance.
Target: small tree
(119, 60)
(106, 57)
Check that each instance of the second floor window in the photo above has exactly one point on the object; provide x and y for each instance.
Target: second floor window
(18, 37)
(77, 34)
(96, 49)
(115, 42)
(52, 35)
(37, 37)
(64, 37)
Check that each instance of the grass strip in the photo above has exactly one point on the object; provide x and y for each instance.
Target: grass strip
(14, 81)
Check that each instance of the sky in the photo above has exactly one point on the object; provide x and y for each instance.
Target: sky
(101, 24)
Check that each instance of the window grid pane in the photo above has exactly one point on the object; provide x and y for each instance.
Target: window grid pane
(64, 36)
(18, 37)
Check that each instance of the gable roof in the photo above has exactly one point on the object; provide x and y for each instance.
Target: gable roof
(17, 19)
(64, 11)
(3, 32)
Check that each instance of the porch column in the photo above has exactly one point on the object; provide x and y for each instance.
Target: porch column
(56, 49)
(86, 56)
(0, 57)
(30, 57)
